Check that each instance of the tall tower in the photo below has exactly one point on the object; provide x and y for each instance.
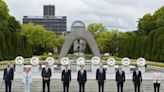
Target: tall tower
(49, 10)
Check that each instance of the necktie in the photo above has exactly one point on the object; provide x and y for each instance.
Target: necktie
(120, 72)
(101, 70)
(8, 69)
(46, 69)
(137, 72)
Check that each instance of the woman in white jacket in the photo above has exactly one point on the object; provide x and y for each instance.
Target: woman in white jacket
(27, 79)
(157, 80)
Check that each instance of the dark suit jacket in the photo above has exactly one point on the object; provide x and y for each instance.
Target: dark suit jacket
(66, 76)
(120, 77)
(82, 78)
(8, 76)
(137, 78)
(100, 77)
(46, 74)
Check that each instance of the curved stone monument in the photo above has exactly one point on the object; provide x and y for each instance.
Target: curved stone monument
(79, 32)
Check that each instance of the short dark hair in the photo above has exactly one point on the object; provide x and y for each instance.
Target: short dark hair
(136, 66)
(46, 62)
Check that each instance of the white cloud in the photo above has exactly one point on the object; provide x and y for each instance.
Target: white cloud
(115, 14)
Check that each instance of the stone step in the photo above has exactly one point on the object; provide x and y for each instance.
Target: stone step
(91, 86)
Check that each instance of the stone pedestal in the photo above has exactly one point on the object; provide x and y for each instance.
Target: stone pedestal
(35, 68)
(78, 67)
(52, 68)
(73, 67)
(111, 70)
(19, 68)
(126, 70)
(142, 69)
(94, 69)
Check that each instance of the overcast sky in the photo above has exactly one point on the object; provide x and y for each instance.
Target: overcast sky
(114, 14)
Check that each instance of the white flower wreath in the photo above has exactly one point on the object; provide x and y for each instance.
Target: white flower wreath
(126, 62)
(95, 60)
(64, 61)
(80, 61)
(19, 60)
(34, 61)
(111, 61)
(141, 62)
(50, 61)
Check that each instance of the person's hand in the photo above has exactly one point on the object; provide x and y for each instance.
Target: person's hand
(44, 78)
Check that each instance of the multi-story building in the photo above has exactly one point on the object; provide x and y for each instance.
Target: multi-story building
(57, 24)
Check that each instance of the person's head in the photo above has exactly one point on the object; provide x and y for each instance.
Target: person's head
(120, 67)
(101, 65)
(8, 65)
(27, 70)
(46, 64)
(157, 69)
(81, 66)
(66, 66)
(136, 67)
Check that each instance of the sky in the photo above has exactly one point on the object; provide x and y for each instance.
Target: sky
(114, 14)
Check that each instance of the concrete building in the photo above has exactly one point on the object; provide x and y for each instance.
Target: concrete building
(57, 24)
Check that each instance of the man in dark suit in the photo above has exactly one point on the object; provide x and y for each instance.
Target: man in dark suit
(46, 75)
(82, 78)
(66, 78)
(101, 77)
(120, 79)
(137, 79)
(8, 77)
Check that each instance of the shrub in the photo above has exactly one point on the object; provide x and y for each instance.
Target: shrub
(43, 57)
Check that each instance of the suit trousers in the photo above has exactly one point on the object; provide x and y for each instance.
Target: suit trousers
(81, 87)
(8, 86)
(65, 87)
(46, 82)
(137, 87)
(101, 86)
(120, 86)
(156, 87)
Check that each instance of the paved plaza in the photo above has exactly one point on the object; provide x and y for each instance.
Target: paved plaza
(91, 85)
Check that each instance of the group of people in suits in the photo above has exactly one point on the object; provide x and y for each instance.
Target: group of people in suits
(81, 78)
